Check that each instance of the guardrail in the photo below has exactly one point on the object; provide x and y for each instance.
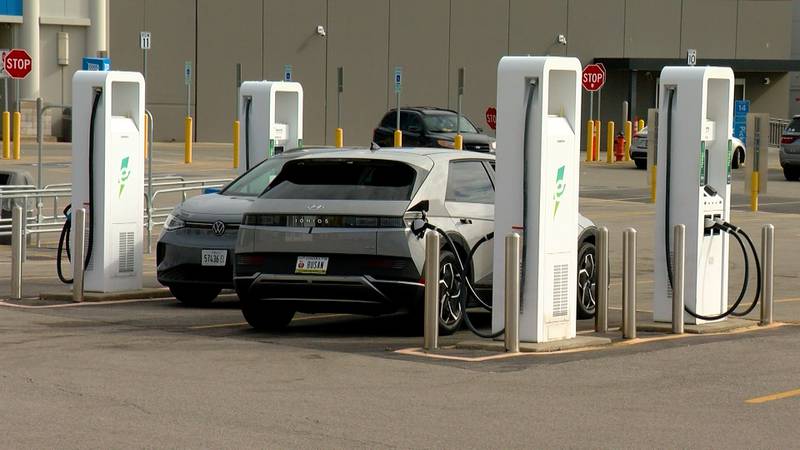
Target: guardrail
(50, 219)
(776, 127)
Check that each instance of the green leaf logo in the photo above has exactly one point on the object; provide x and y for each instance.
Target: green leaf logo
(124, 173)
(561, 186)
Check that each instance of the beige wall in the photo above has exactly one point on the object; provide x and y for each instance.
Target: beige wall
(430, 39)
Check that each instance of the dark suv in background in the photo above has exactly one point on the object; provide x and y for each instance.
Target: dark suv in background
(431, 127)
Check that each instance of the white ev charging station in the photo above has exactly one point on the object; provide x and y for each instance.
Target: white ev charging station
(538, 129)
(271, 114)
(694, 188)
(108, 175)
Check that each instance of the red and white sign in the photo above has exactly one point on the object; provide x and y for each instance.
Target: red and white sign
(17, 63)
(491, 117)
(594, 77)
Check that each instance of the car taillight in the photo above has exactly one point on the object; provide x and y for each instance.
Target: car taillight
(788, 139)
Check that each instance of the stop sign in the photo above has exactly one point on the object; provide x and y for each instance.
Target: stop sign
(17, 63)
(491, 117)
(594, 77)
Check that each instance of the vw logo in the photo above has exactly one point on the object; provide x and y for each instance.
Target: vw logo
(218, 228)
(315, 207)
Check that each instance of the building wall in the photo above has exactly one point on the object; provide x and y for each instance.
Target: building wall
(368, 38)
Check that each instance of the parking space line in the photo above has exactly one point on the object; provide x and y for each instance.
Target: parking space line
(772, 397)
(242, 324)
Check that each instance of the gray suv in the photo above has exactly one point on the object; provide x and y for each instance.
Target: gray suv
(790, 150)
(332, 233)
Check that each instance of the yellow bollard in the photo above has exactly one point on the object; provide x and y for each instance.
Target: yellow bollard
(398, 138)
(641, 124)
(17, 134)
(653, 179)
(339, 138)
(589, 140)
(628, 135)
(187, 140)
(754, 191)
(599, 134)
(610, 143)
(146, 126)
(235, 144)
(6, 136)
(458, 144)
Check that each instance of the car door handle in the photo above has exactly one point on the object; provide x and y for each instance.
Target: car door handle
(466, 221)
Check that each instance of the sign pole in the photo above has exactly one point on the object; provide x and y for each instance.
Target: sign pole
(591, 105)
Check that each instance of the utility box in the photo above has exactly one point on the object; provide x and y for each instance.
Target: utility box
(271, 118)
(111, 105)
(695, 120)
(538, 162)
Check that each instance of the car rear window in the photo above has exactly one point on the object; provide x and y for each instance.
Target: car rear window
(794, 127)
(343, 179)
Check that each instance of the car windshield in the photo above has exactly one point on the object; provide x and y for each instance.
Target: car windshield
(447, 123)
(794, 127)
(343, 179)
(257, 179)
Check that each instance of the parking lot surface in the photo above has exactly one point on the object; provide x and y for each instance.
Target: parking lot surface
(156, 373)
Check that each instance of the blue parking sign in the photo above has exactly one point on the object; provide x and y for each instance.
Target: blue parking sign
(740, 110)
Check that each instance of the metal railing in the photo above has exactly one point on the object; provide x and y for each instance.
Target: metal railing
(776, 127)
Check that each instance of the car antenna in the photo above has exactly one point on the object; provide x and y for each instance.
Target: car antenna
(373, 146)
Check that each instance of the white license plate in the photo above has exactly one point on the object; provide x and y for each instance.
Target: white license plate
(311, 264)
(214, 257)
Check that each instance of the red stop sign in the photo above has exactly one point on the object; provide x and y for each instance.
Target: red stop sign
(491, 117)
(594, 77)
(17, 63)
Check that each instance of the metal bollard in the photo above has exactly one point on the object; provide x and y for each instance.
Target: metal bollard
(678, 279)
(431, 327)
(767, 260)
(79, 255)
(513, 256)
(629, 284)
(601, 309)
(17, 242)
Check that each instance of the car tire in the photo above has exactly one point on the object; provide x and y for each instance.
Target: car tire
(264, 316)
(452, 291)
(791, 173)
(737, 160)
(194, 295)
(587, 281)
(641, 164)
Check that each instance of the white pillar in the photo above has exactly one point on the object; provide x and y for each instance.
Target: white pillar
(30, 41)
(96, 38)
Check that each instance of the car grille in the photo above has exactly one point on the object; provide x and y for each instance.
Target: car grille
(196, 273)
(208, 225)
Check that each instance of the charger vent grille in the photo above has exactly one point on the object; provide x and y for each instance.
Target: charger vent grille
(560, 290)
(126, 252)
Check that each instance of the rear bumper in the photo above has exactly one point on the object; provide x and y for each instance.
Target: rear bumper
(313, 293)
(789, 159)
(178, 260)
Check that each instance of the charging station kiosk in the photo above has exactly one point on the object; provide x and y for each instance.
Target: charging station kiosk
(111, 104)
(271, 114)
(694, 186)
(538, 163)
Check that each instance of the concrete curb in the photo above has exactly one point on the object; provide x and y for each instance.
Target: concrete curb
(578, 342)
(109, 296)
(724, 326)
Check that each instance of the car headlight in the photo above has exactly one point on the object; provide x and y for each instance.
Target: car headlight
(173, 223)
(493, 145)
(445, 143)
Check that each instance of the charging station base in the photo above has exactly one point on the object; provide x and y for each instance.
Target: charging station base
(724, 326)
(578, 342)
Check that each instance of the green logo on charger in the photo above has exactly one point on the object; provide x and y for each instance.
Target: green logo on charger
(561, 186)
(124, 173)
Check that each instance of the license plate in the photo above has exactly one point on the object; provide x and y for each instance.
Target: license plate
(317, 265)
(214, 257)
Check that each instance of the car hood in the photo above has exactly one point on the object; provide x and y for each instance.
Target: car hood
(469, 138)
(213, 207)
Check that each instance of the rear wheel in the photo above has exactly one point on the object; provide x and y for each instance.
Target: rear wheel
(194, 295)
(587, 281)
(791, 173)
(452, 290)
(265, 316)
(738, 158)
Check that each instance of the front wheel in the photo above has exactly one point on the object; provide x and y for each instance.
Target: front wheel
(195, 295)
(791, 173)
(587, 281)
(737, 160)
(452, 290)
